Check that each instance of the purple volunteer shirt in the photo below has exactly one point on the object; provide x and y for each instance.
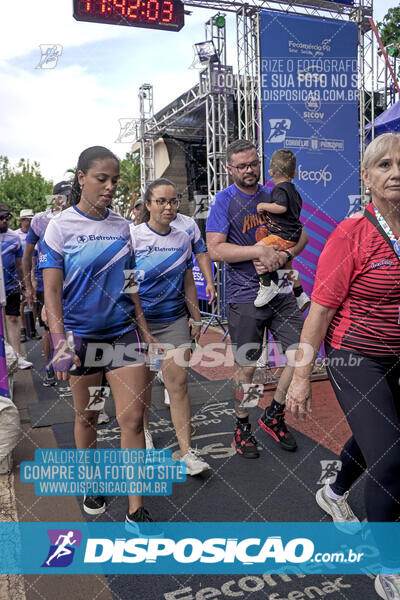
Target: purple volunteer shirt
(234, 214)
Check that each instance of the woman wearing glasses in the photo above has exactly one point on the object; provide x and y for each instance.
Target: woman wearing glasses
(167, 291)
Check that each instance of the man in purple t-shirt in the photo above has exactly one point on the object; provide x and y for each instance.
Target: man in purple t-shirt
(231, 236)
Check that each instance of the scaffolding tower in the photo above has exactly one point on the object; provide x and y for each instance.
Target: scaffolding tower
(215, 85)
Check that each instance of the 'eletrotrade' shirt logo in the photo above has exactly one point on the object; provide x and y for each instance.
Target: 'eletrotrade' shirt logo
(82, 239)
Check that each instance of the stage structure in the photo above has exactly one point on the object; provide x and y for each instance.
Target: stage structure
(217, 81)
(219, 89)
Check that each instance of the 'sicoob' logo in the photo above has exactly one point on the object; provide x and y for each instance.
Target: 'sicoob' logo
(62, 547)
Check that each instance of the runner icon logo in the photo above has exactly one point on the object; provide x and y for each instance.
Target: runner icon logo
(279, 129)
(50, 55)
(98, 394)
(329, 471)
(62, 547)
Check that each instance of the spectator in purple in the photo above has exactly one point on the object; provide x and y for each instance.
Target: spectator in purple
(231, 235)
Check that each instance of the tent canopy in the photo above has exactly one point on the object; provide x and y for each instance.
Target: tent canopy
(388, 121)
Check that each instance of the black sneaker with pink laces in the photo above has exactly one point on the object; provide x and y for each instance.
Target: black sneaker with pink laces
(244, 441)
(275, 426)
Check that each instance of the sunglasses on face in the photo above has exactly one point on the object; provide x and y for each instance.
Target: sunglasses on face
(5, 217)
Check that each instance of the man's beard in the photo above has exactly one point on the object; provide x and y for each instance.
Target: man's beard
(246, 183)
(3, 228)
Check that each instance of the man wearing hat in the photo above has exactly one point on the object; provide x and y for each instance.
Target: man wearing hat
(37, 229)
(25, 217)
(137, 211)
(11, 254)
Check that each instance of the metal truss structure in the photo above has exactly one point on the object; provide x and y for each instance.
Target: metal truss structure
(147, 167)
(212, 93)
(218, 84)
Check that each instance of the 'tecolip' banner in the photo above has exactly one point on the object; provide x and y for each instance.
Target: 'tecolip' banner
(310, 106)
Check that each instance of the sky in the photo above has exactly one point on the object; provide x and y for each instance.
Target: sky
(51, 115)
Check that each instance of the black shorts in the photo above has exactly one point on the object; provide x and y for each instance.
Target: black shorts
(39, 306)
(247, 324)
(108, 354)
(13, 304)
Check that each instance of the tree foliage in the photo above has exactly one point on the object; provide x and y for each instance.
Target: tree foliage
(22, 186)
(129, 184)
(389, 31)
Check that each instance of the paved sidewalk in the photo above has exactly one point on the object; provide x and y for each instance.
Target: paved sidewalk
(21, 504)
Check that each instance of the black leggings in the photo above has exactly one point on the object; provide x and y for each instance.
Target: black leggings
(368, 392)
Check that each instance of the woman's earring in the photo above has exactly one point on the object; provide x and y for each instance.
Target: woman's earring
(367, 191)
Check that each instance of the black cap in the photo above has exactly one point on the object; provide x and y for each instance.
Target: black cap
(4, 209)
(62, 187)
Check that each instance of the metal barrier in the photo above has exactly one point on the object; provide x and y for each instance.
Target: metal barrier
(216, 312)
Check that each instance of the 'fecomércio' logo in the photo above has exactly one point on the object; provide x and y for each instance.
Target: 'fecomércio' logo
(62, 547)
(322, 176)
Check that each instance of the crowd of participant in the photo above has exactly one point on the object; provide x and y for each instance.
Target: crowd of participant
(103, 280)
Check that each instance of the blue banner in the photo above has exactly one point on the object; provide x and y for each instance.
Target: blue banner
(310, 106)
(199, 280)
(196, 548)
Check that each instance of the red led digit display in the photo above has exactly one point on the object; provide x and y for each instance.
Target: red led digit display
(154, 14)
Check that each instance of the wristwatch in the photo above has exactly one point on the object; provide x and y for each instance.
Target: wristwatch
(289, 255)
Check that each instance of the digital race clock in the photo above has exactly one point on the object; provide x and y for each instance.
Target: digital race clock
(154, 14)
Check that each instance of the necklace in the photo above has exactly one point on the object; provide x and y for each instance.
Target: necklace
(387, 229)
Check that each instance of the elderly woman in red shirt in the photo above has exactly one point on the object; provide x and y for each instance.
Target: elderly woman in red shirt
(356, 310)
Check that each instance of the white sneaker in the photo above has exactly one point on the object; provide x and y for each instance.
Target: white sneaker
(339, 510)
(266, 293)
(103, 417)
(303, 301)
(388, 586)
(194, 463)
(23, 363)
(167, 400)
(148, 439)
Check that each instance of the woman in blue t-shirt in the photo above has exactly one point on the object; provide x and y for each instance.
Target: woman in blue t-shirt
(92, 314)
(168, 293)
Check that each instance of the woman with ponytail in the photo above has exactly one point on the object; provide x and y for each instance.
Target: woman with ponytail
(89, 304)
(169, 297)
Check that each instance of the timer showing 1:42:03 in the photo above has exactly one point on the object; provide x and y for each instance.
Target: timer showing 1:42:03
(153, 14)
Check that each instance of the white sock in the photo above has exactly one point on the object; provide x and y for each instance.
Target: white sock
(331, 494)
